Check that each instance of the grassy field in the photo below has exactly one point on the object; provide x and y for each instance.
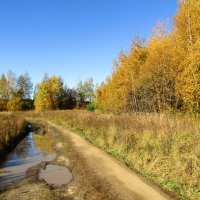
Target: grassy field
(165, 149)
(11, 126)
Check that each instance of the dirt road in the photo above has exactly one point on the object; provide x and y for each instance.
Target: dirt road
(125, 182)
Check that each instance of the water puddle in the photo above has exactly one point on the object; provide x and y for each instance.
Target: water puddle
(55, 176)
(32, 150)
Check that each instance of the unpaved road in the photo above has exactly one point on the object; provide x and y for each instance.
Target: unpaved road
(125, 182)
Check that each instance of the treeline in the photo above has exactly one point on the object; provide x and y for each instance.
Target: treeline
(16, 93)
(161, 74)
(52, 94)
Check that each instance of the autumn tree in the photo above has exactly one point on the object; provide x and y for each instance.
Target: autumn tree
(47, 93)
(14, 104)
(188, 82)
(160, 75)
(119, 92)
(3, 92)
(187, 29)
(8, 92)
(161, 70)
(103, 97)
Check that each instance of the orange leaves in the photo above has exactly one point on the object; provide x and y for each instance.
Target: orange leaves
(163, 75)
(188, 82)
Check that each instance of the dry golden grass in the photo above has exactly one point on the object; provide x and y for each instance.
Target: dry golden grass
(164, 148)
(10, 128)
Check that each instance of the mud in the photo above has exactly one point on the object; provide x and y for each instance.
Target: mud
(55, 176)
(85, 185)
(28, 153)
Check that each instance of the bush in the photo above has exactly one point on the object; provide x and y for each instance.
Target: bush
(3, 104)
(90, 107)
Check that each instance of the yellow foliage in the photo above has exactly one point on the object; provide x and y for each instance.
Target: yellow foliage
(14, 104)
(162, 75)
(47, 94)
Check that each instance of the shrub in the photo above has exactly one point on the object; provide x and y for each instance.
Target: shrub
(90, 107)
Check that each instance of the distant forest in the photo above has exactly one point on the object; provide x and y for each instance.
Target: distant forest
(16, 93)
(158, 75)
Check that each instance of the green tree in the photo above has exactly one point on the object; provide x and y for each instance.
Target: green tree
(67, 98)
(85, 90)
(24, 86)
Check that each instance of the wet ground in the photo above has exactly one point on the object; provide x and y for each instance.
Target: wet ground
(55, 176)
(32, 150)
(85, 185)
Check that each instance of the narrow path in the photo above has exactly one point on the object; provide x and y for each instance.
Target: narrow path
(125, 182)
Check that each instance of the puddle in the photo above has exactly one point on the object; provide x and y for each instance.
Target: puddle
(32, 150)
(55, 176)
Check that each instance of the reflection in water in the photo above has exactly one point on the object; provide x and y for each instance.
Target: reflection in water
(44, 143)
(32, 150)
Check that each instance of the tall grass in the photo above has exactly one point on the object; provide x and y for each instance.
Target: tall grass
(164, 148)
(11, 126)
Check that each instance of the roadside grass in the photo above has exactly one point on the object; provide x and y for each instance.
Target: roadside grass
(164, 149)
(11, 127)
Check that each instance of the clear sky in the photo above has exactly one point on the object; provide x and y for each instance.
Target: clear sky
(76, 39)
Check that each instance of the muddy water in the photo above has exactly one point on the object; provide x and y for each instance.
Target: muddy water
(56, 176)
(32, 150)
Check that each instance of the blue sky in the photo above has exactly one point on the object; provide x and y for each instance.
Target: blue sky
(76, 39)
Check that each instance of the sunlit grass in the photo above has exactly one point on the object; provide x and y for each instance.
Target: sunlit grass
(165, 149)
(10, 127)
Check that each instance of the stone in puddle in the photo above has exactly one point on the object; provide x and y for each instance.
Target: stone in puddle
(55, 176)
